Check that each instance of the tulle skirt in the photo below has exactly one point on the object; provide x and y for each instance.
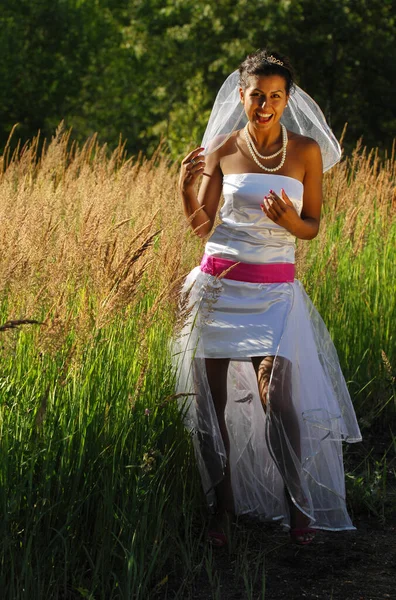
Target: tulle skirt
(295, 443)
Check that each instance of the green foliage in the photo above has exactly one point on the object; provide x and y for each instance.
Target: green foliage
(368, 487)
(47, 47)
(148, 69)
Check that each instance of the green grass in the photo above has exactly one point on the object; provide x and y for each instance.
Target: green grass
(354, 293)
(94, 464)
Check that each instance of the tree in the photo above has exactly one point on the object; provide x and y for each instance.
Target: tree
(151, 68)
(46, 47)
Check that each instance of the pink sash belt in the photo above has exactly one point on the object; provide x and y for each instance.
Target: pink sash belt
(249, 272)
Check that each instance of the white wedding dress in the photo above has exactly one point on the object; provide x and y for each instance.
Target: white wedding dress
(238, 320)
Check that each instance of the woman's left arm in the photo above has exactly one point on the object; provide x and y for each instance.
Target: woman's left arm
(281, 209)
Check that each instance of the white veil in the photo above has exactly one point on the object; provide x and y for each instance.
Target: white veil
(302, 115)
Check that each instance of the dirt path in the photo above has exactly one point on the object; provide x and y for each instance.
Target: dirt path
(358, 565)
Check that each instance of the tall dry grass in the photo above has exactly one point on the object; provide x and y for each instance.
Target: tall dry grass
(84, 233)
(359, 190)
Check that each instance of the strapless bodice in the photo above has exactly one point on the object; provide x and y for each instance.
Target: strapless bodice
(246, 234)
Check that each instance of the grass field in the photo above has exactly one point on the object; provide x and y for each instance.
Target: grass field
(99, 492)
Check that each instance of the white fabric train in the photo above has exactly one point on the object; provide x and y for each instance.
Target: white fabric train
(238, 320)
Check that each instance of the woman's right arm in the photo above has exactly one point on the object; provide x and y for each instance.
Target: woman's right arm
(201, 209)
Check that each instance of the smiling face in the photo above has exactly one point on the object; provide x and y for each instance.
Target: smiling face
(264, 100)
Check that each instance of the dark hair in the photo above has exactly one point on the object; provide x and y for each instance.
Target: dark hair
(258, 64)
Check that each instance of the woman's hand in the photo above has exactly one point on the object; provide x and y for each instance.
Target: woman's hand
(192, 166)
(281, 210)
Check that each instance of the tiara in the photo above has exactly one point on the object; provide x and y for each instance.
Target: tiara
(272, 59)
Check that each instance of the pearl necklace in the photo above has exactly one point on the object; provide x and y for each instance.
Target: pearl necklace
(257, 153)
(253, 150)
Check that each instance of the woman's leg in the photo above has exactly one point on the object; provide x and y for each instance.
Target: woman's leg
(216, 371)
(284, 431)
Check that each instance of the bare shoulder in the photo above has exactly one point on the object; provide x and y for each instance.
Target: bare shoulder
(303, 143)
(219, 148)
(216, 143)
(229, 144)
(307, 148)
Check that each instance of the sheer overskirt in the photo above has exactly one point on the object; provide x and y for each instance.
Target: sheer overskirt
(296, 441)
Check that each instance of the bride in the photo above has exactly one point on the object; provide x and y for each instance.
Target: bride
(269, 406)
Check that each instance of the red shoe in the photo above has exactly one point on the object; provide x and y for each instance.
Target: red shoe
(302, 536)
(217, 539)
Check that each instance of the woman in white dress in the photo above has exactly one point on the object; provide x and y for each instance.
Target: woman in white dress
(267, 406)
